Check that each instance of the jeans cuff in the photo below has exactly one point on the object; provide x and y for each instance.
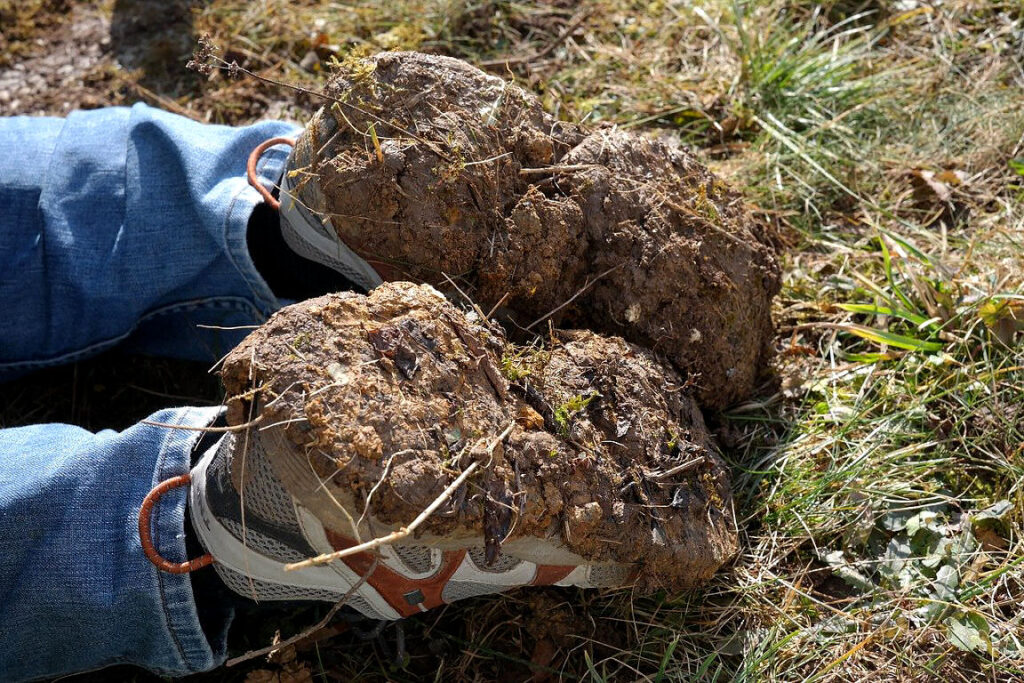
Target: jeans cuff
(269, 170)
(196, 651)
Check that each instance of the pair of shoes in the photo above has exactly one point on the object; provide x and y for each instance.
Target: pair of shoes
(254, 527)
(691, 276)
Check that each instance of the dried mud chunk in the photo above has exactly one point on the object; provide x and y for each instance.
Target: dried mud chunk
(543, 245)
(427, 166)
(601, 474)
(452, 141)
(383, 413)
(629, 439)
(686, 271)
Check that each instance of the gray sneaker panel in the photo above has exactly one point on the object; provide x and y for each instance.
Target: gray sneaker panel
(269, 512)
(415, 557)
(263, 544)
(272, 592)
(309, 237)
(264, 495)
(504, 562)
(460, 590)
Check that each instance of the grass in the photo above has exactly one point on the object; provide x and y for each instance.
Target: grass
(878, 485)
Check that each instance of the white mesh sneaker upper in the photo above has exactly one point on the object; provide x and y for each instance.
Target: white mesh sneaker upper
(253, 536)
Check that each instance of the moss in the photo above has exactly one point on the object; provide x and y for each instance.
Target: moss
(565, 413)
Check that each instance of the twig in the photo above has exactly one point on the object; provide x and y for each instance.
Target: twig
(573, 24)
(404, 532)
(289, 421)
(165, 102)
(393, 536)
(501, 301)
(488, 160)
(327, 491)
(557, 168)
(465, 296)
(500, 438)
(655, 476)
(383, 476)
(312, 629)
(585, 287)
(710, 223)
(227, 327)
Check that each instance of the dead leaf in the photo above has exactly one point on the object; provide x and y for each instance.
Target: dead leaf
(937, 192)
(1003, 318)
(930, 186)
(990, 540)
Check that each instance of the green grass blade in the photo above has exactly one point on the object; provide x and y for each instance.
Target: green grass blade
(887, 260)
(666, 658)
(874, 309)
(898, 341)
(777, 130)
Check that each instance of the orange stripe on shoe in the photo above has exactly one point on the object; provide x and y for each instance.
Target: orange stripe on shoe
(407, 596)
(548, 574)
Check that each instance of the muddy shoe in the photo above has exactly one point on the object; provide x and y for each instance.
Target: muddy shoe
(314, 238)
(254, 530)
(588, 464)
(426, 167)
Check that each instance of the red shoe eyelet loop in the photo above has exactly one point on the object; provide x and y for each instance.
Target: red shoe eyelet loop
(250, 168)
(145, 535)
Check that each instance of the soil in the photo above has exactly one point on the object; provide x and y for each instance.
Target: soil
(607, 450)
(60, 73)
(57, 56)
(429, 167)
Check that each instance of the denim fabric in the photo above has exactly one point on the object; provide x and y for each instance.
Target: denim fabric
(127, 225)
(76, 591)
(118, 226)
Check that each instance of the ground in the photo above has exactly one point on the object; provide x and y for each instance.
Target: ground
(877, 482)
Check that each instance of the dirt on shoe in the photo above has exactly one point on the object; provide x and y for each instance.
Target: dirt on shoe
(429, 167)
(589, 439)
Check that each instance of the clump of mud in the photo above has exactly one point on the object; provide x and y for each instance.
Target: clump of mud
(427, 166)
(589, 439)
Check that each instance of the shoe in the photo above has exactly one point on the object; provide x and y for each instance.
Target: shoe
(253, 528)
(307, 235)
(360, 414)
(315, 239)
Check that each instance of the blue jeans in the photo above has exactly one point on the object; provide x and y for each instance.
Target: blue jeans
(118, 226)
